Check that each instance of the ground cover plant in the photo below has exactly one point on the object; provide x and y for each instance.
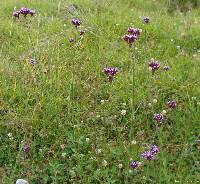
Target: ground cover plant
(99, 92)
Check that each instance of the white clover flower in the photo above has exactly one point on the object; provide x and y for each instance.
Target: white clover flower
(64, 154)
(123, 112)
(120, 166)
(9, 135)
(62, 146)
(21, 181)
(155, 101)
(105, 163)
(87, 139)
(130, 171)
(102, 101)
(133, 142)
(99, 151)
(194, 98)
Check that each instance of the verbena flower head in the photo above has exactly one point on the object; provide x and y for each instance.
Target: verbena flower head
(71, 40)
(148, 155)
(76, 22)
(166, 67)
(154, 65)
(154, 149)
(24, 11)
(33, 62)
(26, 149)
(16, 14)
(145, 20)
(135, 164)
(134, 31)
(158, 117)
(171, 104)
(110, 73)
(82, 32)
(129, 38)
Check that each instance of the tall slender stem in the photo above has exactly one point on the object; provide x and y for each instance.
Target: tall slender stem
(132, 51)
(73, 78)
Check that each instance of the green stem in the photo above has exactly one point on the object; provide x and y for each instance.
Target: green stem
(73, 79)
(132, 51)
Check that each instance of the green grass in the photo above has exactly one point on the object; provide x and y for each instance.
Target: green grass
(36, 102)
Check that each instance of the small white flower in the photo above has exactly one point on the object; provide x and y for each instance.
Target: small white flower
(21, 181)
(99, 151)
(102, 101)
(63, 155)
(105, 163)
(64, 25)
(87, 140)
(117, 24)
(130, 171)
(194, 98)
(120, 166)
(9, 135)
(155, 101)
(164, 112)
(124, 104)
(98, 116)
(123, 112)
(62, 146)
(198, 103)
(149, 104)
(178, 46)
(133, 142)
(172, 40)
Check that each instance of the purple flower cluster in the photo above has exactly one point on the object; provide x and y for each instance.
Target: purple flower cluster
(172, 104)
(150, 154)
(82, 32)
(159, 118)
(33, 62)
(76, 22)
(133, 35)
(154, 65)
(135, 164)
(26, 148)
(129, 38)
(145, 20)
(134, 31)
(166, 67)
(23, 11)
(110, 73)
